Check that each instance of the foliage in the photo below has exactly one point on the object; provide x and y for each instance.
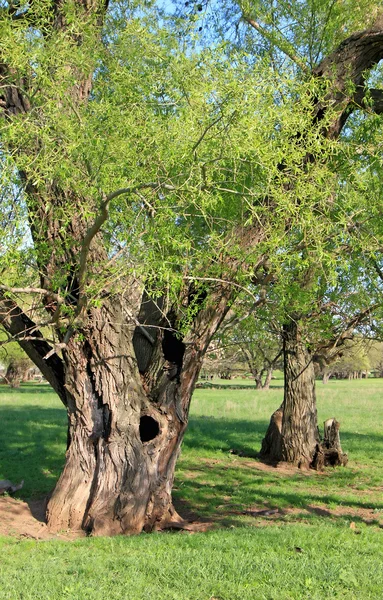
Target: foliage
(231, 124)
(10, 351)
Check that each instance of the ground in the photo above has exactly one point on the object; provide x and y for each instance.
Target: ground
(267, 533)
(27, 519)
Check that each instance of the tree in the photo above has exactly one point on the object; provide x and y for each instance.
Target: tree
(135, 249)
(306, 40)
(138, 246)
(344, 71)
(16, 361)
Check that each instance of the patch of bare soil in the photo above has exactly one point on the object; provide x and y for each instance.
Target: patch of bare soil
(192, 523)
(365, 515)
(27, 520)
(275, 468)
(280, 468)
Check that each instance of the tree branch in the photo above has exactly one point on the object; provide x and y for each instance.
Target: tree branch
(32, 290)
(332, 346)
(103, 217)
(346, 68)
(369, 100)
(283, 44)
(19, 325)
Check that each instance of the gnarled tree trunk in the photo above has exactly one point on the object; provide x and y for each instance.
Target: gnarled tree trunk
(326, 377)
(263, 378)
(267, 379)
(292, 435)
(127, 419)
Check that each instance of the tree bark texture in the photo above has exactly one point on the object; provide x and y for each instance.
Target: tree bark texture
(126, 423)
(299, 424)
(293, 431)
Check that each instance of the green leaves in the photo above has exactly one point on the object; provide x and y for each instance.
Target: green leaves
(211, 145)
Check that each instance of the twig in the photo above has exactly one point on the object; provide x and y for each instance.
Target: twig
(283, 45)
(32, 290)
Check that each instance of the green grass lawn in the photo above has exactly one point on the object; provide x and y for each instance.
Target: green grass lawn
(306, 550)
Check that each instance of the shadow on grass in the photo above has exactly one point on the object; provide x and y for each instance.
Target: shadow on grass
(221, 484)
(209, 480)
(210, 433)
(223, 434)
(32, 446)
(234, 495)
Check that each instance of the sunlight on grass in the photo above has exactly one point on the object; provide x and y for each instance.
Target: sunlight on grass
(322, 536)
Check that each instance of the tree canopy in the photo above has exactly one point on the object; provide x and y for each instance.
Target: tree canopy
(154, 166)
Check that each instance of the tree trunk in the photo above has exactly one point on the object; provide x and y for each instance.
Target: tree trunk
(271, 449)
(326, 377)
(127, 419)
(267, 381)
(331, 448)
(262, 378)
(293, 431)
(258, 380)
(16, 372)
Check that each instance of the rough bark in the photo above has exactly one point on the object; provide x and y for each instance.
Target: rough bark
(271, 449)
(299, 424)
(350, 64)
(329, 452)
(126, 427)
(293, 431)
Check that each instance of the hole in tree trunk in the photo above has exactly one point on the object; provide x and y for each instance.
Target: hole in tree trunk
(149, 428)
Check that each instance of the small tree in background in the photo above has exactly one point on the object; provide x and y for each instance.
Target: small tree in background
(16, 362)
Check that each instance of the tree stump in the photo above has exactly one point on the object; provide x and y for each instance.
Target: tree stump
(329, 451)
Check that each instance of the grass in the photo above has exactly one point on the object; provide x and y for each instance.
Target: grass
(246, 557)
(239, 564)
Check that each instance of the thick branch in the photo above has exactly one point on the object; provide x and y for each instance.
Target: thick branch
(346, 68)
(370, 100)
(20, 326)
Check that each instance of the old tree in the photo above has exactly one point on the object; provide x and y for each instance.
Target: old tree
(142, 189)
(309, 36)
